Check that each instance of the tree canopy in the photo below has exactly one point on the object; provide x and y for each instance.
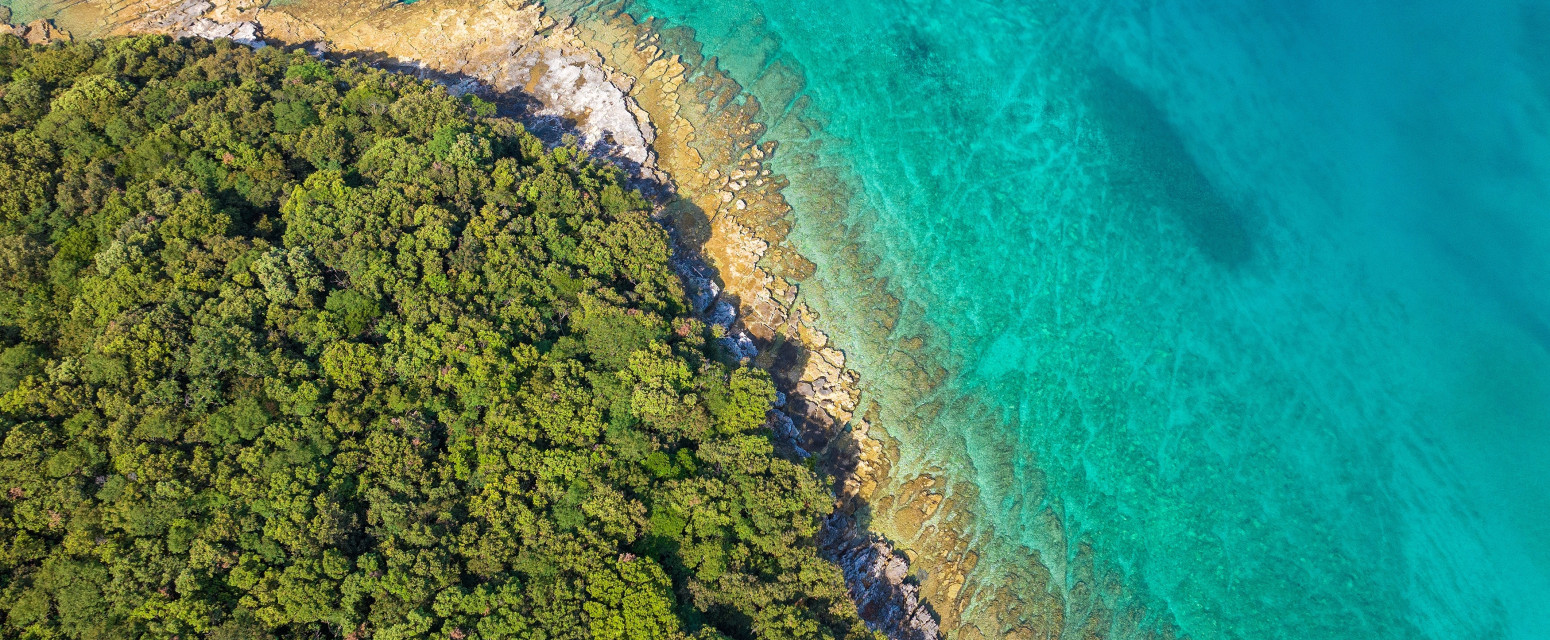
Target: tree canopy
(293, 348)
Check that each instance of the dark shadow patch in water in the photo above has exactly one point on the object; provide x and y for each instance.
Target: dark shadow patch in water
(922, 73)
(1163, 170)
(915, 52)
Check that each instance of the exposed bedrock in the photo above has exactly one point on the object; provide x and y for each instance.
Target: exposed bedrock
(877, 578)
(38, 31)
(503, 50)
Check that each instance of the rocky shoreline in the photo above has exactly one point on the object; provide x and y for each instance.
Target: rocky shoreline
(688, 138)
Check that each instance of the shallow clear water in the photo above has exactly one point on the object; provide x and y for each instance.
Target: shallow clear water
(1252, 296)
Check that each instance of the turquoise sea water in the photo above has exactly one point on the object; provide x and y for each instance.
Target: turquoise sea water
(1253, 297)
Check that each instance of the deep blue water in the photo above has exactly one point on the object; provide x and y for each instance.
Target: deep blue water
(1253, 297)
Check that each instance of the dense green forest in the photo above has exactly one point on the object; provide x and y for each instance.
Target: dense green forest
(292, 348)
